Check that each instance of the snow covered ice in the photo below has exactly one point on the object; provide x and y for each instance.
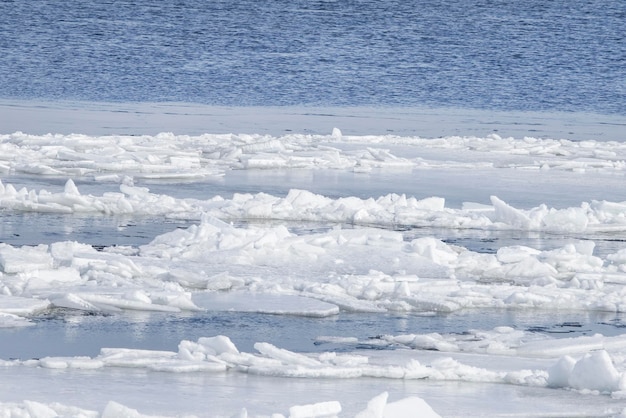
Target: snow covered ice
(256, 252)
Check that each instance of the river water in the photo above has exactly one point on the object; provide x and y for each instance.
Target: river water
(533, 55)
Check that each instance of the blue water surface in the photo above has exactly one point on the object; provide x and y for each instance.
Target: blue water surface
(542, 55)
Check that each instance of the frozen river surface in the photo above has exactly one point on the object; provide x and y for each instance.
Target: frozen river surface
(312, 209)
(467, 274)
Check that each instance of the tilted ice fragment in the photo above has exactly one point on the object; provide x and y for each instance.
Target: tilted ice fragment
(450, 369)
(218, 345)
(566, 220)
(105, 302)
(560, 372)
(526, 377)
(515, 253)
(434, 249)
(336, 134)
(572, 258)
(64, 252)
(116, 410)
(22, 306)
(8, 320)
(431, 203)
(126, 357)
(138, 295)
(180, 300)
(218, 350)
(303, 199)
(54, 363)
(72, 301)
(51, 278)
(402, 290)
(609, 210)
(70, 362)
(585, 247)
(38, 168)
(190, 351)
(433, 341)
(286, 356)
(39, 410)
(9, 191)
(70, 188)
(190, 278)
(595, 371)
(336, 295)
(17, 260)
(319, 410)
(528, 268)
(410, 407)
(343, 360)
(375, 407)
(528, 299)
(134, 191)
(510, 215)
(422, 305)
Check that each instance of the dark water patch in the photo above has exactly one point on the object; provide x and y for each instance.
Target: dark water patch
(100, 231)
(62, 332)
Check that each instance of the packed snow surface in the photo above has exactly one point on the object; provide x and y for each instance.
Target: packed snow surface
(239, 255)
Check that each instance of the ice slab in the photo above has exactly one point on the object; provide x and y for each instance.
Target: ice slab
(8, 320)
(389, 211)
(22, 306)
(167, 156)
(264, 303)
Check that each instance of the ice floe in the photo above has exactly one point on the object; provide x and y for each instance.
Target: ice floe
(392, 210)
(378, 407)
(238, 254)
(358, 270)
(170, 156)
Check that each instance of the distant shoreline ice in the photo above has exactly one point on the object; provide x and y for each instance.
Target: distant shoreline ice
(92, 118)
